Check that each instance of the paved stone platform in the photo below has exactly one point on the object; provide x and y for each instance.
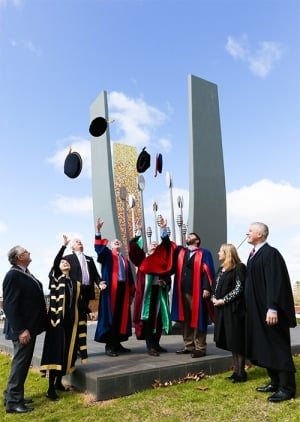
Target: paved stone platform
(106, 377)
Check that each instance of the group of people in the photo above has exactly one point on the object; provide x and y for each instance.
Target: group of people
(251, 306)
(71, 284)
(254, 311)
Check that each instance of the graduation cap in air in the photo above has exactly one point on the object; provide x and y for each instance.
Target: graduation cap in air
(73, 164)
(158, 164)
(98, 126)
(143, 161)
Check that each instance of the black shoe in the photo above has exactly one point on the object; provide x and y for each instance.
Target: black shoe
(153, 352)
(269, 388)
(161, 349)
(122, 349)
(59, 386)
(280, 396)
(239, 378)
(231, 377)
(184, 352)
(198, 354)
(18, 408)
(111, 353)
(51, 395)
(27, 400)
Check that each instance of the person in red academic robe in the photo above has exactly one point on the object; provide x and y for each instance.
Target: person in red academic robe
(151, 312)
(194, 272)
(114, 317)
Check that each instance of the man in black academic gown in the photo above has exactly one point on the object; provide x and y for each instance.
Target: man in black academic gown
(270, 313)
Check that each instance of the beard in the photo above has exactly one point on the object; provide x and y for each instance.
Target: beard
(190, 242)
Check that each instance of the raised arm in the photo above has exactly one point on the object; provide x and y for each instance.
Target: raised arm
(55, 271)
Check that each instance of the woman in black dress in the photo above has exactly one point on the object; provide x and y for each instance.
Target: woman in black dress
(228, 299)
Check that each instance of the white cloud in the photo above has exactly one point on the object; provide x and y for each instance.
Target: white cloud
(266, 201)
(135, 120)
(238, 49)
(260, 61)
(79, 145)
(15, 3)
(135, 124)
(28, 45)
(275, 204)
(165, 144)
(73, 205)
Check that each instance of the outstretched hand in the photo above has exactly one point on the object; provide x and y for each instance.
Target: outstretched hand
(99, 224)
(163, 223)
(139, 225)
(66, 240)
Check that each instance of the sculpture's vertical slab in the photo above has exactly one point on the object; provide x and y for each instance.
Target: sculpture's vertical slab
(125, 176)
(104, 200)
(207, 193)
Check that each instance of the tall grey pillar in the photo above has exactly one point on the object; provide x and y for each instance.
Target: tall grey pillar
(104, 199)
(207, 193)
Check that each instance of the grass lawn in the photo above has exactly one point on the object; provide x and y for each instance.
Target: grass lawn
(210, 399)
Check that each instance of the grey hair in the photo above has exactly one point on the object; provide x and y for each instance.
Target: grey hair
(262, 228)
(113, 241)
(13, 254)
(73, 241)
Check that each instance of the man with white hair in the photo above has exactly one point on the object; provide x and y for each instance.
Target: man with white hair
(270, 313)
(114, 316)
(83, 269)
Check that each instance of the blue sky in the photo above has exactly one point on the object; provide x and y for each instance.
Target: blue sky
(57, 56)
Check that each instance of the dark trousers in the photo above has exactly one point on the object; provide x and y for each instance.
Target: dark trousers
(20, 365)
(285, 380)
(114, 336)
(153, 325)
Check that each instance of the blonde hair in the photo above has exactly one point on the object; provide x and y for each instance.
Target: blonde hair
(231, 256)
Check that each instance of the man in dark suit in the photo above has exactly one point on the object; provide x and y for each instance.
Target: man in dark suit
(26, 317)
(270, 313)
(83, 269)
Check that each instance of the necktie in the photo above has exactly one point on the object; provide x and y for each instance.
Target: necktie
(84, 270)
(121, 269)
(252, 253)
